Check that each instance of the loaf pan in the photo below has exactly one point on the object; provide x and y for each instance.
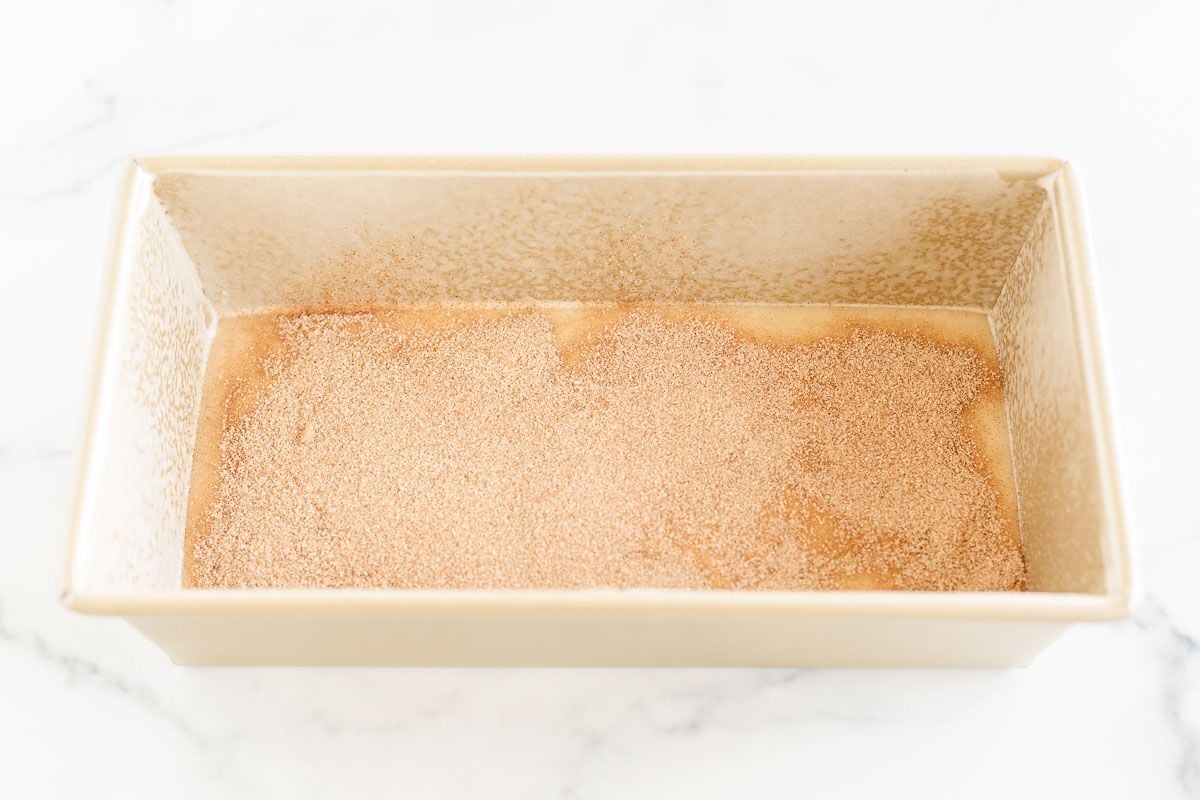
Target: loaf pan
(196, 238)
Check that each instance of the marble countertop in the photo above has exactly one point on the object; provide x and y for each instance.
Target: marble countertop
(90, 709)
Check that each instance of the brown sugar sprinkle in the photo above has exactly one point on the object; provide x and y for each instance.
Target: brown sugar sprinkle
(670, 454)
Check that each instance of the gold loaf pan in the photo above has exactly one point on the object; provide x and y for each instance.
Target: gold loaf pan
(198, 238)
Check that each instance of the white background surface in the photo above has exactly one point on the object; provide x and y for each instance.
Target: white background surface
(89, 709)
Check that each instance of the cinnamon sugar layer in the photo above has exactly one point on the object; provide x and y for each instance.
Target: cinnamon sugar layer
(658, 448)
